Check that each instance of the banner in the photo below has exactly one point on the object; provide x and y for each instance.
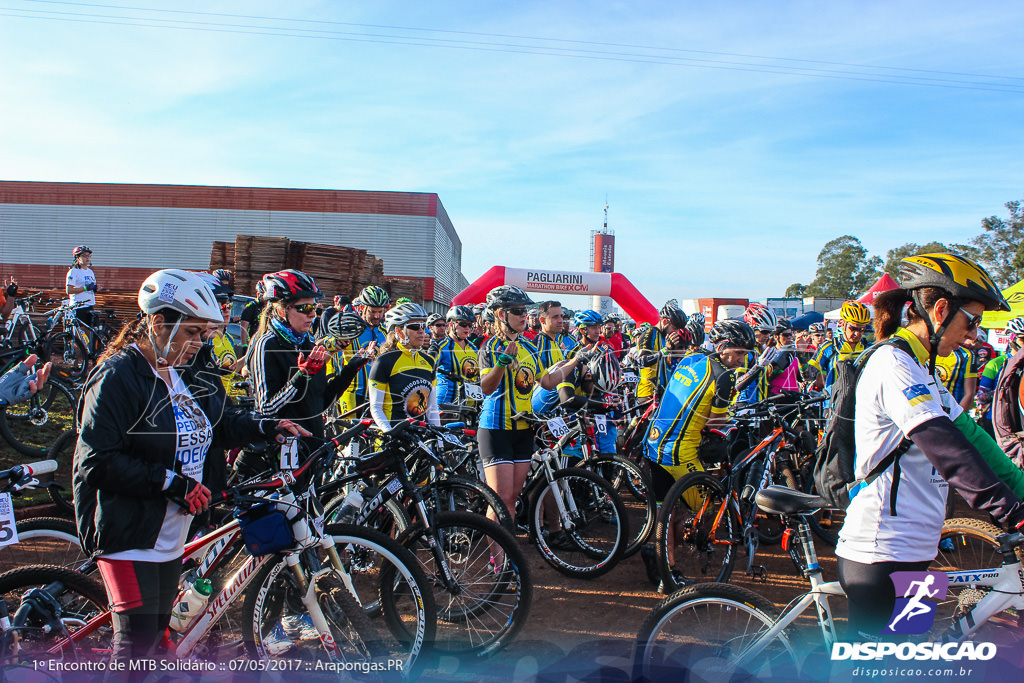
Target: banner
(560, 282)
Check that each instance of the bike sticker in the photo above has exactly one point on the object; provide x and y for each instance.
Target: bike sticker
(452, 439)
(601, 422)
(473, 391)
(8, 532)
(394, 486)
(290, 453)
(318, 524)
(558, 427)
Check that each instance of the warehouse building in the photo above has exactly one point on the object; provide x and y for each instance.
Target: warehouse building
(135, 229)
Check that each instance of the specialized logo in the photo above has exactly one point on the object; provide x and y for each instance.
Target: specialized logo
(914, 612)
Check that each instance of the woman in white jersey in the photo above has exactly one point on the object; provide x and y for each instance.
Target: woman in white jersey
(81, 283)
(894, 521)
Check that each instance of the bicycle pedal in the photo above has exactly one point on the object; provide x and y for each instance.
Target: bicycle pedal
(759, 573)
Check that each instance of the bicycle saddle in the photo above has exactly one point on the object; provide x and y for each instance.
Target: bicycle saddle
(780, 500)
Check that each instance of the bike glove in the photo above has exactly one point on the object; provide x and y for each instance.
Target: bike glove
(14, 384)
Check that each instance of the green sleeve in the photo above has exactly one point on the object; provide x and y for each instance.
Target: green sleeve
(1005, 469)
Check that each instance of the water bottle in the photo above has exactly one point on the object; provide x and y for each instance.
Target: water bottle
(350, 507)
(190, 603)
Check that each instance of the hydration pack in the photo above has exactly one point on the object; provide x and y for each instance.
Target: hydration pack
(834, 460)
(1007, 422)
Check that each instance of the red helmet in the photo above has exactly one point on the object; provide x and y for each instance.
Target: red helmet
(79, 250)
(289, 285)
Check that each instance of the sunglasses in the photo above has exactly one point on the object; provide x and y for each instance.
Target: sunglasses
(463, 323)
(785, 334)
(438, 324)
(305, 309)
(415, 327)
(855, 328)
(973, 321)
(518, 310)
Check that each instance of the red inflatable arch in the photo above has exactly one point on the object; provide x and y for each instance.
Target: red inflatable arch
(555, 282)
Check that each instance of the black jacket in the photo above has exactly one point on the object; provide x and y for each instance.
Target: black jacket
(128, 442)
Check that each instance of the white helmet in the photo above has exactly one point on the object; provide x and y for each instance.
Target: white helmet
(180, 291)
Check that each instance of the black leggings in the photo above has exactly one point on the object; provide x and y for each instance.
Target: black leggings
(871, 594)
(141, 597)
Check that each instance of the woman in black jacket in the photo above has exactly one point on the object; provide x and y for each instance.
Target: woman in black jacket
(140, 469)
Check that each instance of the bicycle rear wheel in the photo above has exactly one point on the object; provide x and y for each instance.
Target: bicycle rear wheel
(51, 608)
(633, 484)
(44, 540)
(706, 629)
(455, 493)
(698, 531)
(595, 531)
(68, 355)
(35, 436)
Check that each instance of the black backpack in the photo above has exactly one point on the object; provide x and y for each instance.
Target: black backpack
(834, 460)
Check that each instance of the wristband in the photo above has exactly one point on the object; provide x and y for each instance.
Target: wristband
(503, 359)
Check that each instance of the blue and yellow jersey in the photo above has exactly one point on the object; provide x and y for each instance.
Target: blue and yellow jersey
(550, 351)
(455, 366)
(406, 379)
(824, 361)
(226, 356)
(654, 377)
(356, 392)
(700, 387)
(514, 391)
(955, 368)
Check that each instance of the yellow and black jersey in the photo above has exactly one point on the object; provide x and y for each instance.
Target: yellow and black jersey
(700, 387)
(224, 352)
(402, 386)
(551, 351)
(456, 365)
(514, 391)
(654, 377)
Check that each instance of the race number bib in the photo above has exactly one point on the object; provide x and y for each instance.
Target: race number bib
(290, 454)
(8, 532)
(630, 377)
(474, 392)
(558, 427)
(601, 422)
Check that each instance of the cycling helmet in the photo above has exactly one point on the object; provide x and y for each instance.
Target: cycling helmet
(611, 318)
(403, 300)
(224, 276)
(479, 309)
(606, 372)
(568, 313)
(181, 291)
(1015, 326)
(345, 326)
(261, 291)
(959, 276)
(79, 250)
(456, 313)
(488, 315)
(783, 325)
(761, 318)
(433, 318)
(289, 285)
(732, 334)
(404, 314)
(855, 312)
(817, 328)
(696, 329)
(698, 318)
(374, 297)
(587, 318)
(507, 296)
(674, 314)
(221, 291)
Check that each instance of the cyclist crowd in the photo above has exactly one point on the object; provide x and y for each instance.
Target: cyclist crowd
(140, 462)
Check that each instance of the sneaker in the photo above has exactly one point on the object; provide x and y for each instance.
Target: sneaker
(299, 627)
(650, 557)
(277, 642)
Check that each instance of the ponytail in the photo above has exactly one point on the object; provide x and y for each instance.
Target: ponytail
(889, 307)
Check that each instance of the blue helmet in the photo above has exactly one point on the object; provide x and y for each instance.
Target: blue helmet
(587, 318)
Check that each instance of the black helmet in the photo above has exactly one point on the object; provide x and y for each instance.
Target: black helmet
(732, 333)
(507, 296)
(289, 285)
(783, 325)
(674, 314)
(959, 276)
(696, 329)
(456, 313)
(345, 326)
(374, 297)
(433, 318)
(488, 315)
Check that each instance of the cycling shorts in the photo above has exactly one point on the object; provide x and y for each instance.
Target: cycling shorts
(505, 446)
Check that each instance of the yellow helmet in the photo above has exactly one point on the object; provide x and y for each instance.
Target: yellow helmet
(855, 312)
(959, 276)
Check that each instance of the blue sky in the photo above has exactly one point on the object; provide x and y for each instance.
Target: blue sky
(721, 181)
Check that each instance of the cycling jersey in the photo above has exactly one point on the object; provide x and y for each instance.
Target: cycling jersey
(80, 277)
(550, 351)
(990, 377)
(513, 393)
(824, 361)
(955, 368)
(655, 376)
(700, 388)
(401, 385)
(455, 366)
(355, 395)
(983, 353)
(224, 353)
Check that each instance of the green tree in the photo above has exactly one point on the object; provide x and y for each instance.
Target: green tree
(998, 249)
(893, 256)
(844, 269)
(795, 290)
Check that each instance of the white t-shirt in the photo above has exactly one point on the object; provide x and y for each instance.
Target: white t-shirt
(194, 437)
(894, 396)
(80, 277)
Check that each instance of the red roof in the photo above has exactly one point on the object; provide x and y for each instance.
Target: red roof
(883, 284)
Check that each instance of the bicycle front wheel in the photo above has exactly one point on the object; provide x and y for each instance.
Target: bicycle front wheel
(482, 585)
(698, 531)
(708, 629)
(44, 540)
(633, 484)
(68, 355)
(588, 529)
(38, 433)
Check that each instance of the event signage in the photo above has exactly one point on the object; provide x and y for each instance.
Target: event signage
(593, 284)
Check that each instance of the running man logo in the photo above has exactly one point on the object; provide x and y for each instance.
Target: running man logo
(916, 593)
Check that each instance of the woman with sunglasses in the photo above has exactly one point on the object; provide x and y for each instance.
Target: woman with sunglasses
(401, 379)
(902, 406)
(285, 367)
(456, 356)
(141, 468)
